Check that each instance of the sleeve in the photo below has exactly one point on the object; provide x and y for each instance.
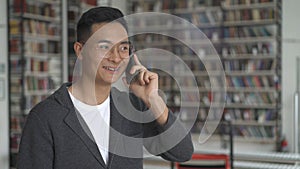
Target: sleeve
(36, 147)
(171, 141)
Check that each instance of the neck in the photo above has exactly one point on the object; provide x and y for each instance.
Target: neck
(90, 93)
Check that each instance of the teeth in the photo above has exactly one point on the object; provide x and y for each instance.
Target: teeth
(110, 68)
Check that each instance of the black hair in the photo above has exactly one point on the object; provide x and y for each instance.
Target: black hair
(97, 15)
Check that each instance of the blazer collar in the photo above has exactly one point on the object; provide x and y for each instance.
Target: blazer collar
(72, 120)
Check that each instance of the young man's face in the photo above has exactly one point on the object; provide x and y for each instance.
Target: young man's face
(106, 53)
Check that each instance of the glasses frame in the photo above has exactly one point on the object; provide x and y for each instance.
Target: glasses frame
(114, 46)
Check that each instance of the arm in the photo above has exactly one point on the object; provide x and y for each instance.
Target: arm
(165, 136)
(171, 141)
(36, 149)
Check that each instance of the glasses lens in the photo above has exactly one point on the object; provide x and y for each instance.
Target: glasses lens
(125, 50)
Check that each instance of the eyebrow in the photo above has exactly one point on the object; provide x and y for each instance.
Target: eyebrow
(110, 42)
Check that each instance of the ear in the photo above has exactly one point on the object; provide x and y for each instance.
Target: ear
(78, 49)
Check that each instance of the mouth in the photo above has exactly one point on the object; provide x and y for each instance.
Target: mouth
(111, 69)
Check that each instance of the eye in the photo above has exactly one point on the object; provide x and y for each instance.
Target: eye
(103, 46)
(124, 48)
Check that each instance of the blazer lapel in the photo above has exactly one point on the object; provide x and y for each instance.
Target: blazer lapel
(116, 124)
(72, 121)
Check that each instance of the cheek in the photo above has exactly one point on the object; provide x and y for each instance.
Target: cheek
(91, 67)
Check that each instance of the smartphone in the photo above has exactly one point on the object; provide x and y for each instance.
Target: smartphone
(131, 77)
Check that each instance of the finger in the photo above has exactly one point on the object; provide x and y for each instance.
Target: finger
(141, 77)
(136, 60)
(153, 76)
(137, 68)
(147, 77)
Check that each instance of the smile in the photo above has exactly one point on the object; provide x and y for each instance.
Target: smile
(111, 68)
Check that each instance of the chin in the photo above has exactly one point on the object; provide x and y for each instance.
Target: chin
(111, 81)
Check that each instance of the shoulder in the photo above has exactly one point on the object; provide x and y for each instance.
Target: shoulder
(53, 107)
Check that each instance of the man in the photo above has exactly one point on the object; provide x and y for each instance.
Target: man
(88, 124)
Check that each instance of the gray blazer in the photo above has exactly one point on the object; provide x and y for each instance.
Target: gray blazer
(55, 137)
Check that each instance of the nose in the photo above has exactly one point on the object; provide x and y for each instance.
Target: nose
(114, 56)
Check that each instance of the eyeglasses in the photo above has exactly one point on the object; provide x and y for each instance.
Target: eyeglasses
(104, 48)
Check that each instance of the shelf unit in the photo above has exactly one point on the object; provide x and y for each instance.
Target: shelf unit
(75, 9)
(252, 61)
(246, 36)
(35, 56)
(4, 85)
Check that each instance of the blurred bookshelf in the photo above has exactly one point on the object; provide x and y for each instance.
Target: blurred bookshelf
(245, 33)
(246, 36)
(36, 54)
(75, 8)
(35, 58)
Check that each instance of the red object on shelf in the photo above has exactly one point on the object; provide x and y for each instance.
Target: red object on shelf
(208, 158)
(90, 2)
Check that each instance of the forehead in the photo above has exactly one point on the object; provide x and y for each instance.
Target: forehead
(113, 32)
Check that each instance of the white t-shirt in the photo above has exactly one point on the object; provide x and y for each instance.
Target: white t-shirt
(97, 119)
